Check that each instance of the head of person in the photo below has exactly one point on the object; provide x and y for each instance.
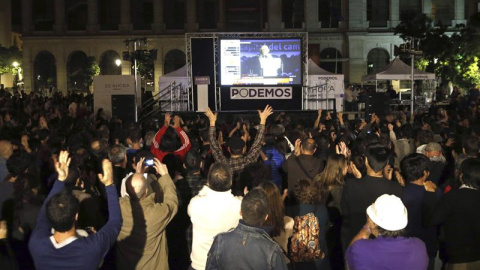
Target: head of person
(220, 177)
(276, 208)
(6, 149)
(469, 173)
(306, 192)
(308, 146)
(117, 155)
(26, 188)
(98, 147)
(236, 146)
(433, 149)
(389, 214)
(254, 208)
(136, 186)
(471, 146)
(18, 163)
(264, 50)
(376, 157)
(415, 167)
(149, 138)
(62, 211)
(334, 172)
(192, 162)
(135, 136)
(169, 141)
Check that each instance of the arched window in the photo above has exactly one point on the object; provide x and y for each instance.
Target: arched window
(330, 60)
(174, 60)
(377, 59)
(45, 71)
(109, 64)
(77, 65)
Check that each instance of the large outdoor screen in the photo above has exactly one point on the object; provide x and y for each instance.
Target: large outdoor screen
(260, 62)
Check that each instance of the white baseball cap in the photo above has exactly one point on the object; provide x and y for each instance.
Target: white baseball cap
(388, 212)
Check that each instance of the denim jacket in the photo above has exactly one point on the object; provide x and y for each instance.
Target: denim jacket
(245, 247)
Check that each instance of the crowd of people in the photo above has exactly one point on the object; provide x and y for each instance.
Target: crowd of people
(81, 190)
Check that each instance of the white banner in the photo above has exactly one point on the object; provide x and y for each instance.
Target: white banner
(266, 92)
(104, 86)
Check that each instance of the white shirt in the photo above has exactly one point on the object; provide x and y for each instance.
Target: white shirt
(211, 213)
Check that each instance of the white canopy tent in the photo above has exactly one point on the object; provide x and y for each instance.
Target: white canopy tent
(175, 87)
(178, 76)
(323, 85)
(398, 70)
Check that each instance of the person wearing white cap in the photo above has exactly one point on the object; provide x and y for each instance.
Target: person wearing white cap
(387, 218)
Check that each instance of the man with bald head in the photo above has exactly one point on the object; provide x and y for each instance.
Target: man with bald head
(6, 150)
(302, 165)
(142, 242)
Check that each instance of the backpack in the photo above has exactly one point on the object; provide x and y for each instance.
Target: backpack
(305, 243)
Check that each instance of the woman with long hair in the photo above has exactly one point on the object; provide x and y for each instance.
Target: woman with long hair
(331, 180)
(282, 225)
(330, 183)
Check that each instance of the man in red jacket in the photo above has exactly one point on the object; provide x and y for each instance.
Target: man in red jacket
(165, 141)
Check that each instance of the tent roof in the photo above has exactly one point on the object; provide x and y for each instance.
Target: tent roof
(314, 69)
(181, 72)
(398, 70)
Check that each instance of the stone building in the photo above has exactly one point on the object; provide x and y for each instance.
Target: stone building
(353, 37)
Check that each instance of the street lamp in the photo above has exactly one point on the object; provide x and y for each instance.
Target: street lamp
(16, 67)
(118, 62)
(15, 64)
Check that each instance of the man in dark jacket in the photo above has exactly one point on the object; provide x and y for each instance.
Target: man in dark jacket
(303, 166)
(359, 194)
(248, 246)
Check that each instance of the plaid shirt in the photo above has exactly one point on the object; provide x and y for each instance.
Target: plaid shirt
(237, 163)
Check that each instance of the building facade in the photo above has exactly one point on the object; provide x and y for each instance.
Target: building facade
(353, 37)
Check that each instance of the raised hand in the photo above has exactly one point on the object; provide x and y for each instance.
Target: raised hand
(212, 117)
(399, 177)
(107, 177)
(160, 167)
(390, 127)
(139, 166)
(353, 169)
(296, 152)
(176, 121)
(167, 119)
(320, 112)
(388, 172)
(265, 114)
(61, 165)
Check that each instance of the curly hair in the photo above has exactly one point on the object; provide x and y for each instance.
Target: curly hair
(307, 192)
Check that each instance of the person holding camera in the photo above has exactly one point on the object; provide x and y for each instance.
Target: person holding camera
(142, 242)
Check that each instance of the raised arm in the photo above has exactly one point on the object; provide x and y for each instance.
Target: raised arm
(214, 144)
(254, 151)
(317, 121)
(42, 229)
(107, 235)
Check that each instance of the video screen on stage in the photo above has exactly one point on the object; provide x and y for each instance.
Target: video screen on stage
(261, 61)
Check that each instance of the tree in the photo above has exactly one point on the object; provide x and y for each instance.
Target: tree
(452, 57)
(82, 78)
(7, 57)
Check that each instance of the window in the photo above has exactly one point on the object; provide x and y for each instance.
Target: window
(330, 13)
(378, 12)
(377, 59)
(293, 13)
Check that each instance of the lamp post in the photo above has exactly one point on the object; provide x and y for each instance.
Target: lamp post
(138, 53)
(16, 66)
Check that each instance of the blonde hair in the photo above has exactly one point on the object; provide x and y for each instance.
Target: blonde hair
(332, 175)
